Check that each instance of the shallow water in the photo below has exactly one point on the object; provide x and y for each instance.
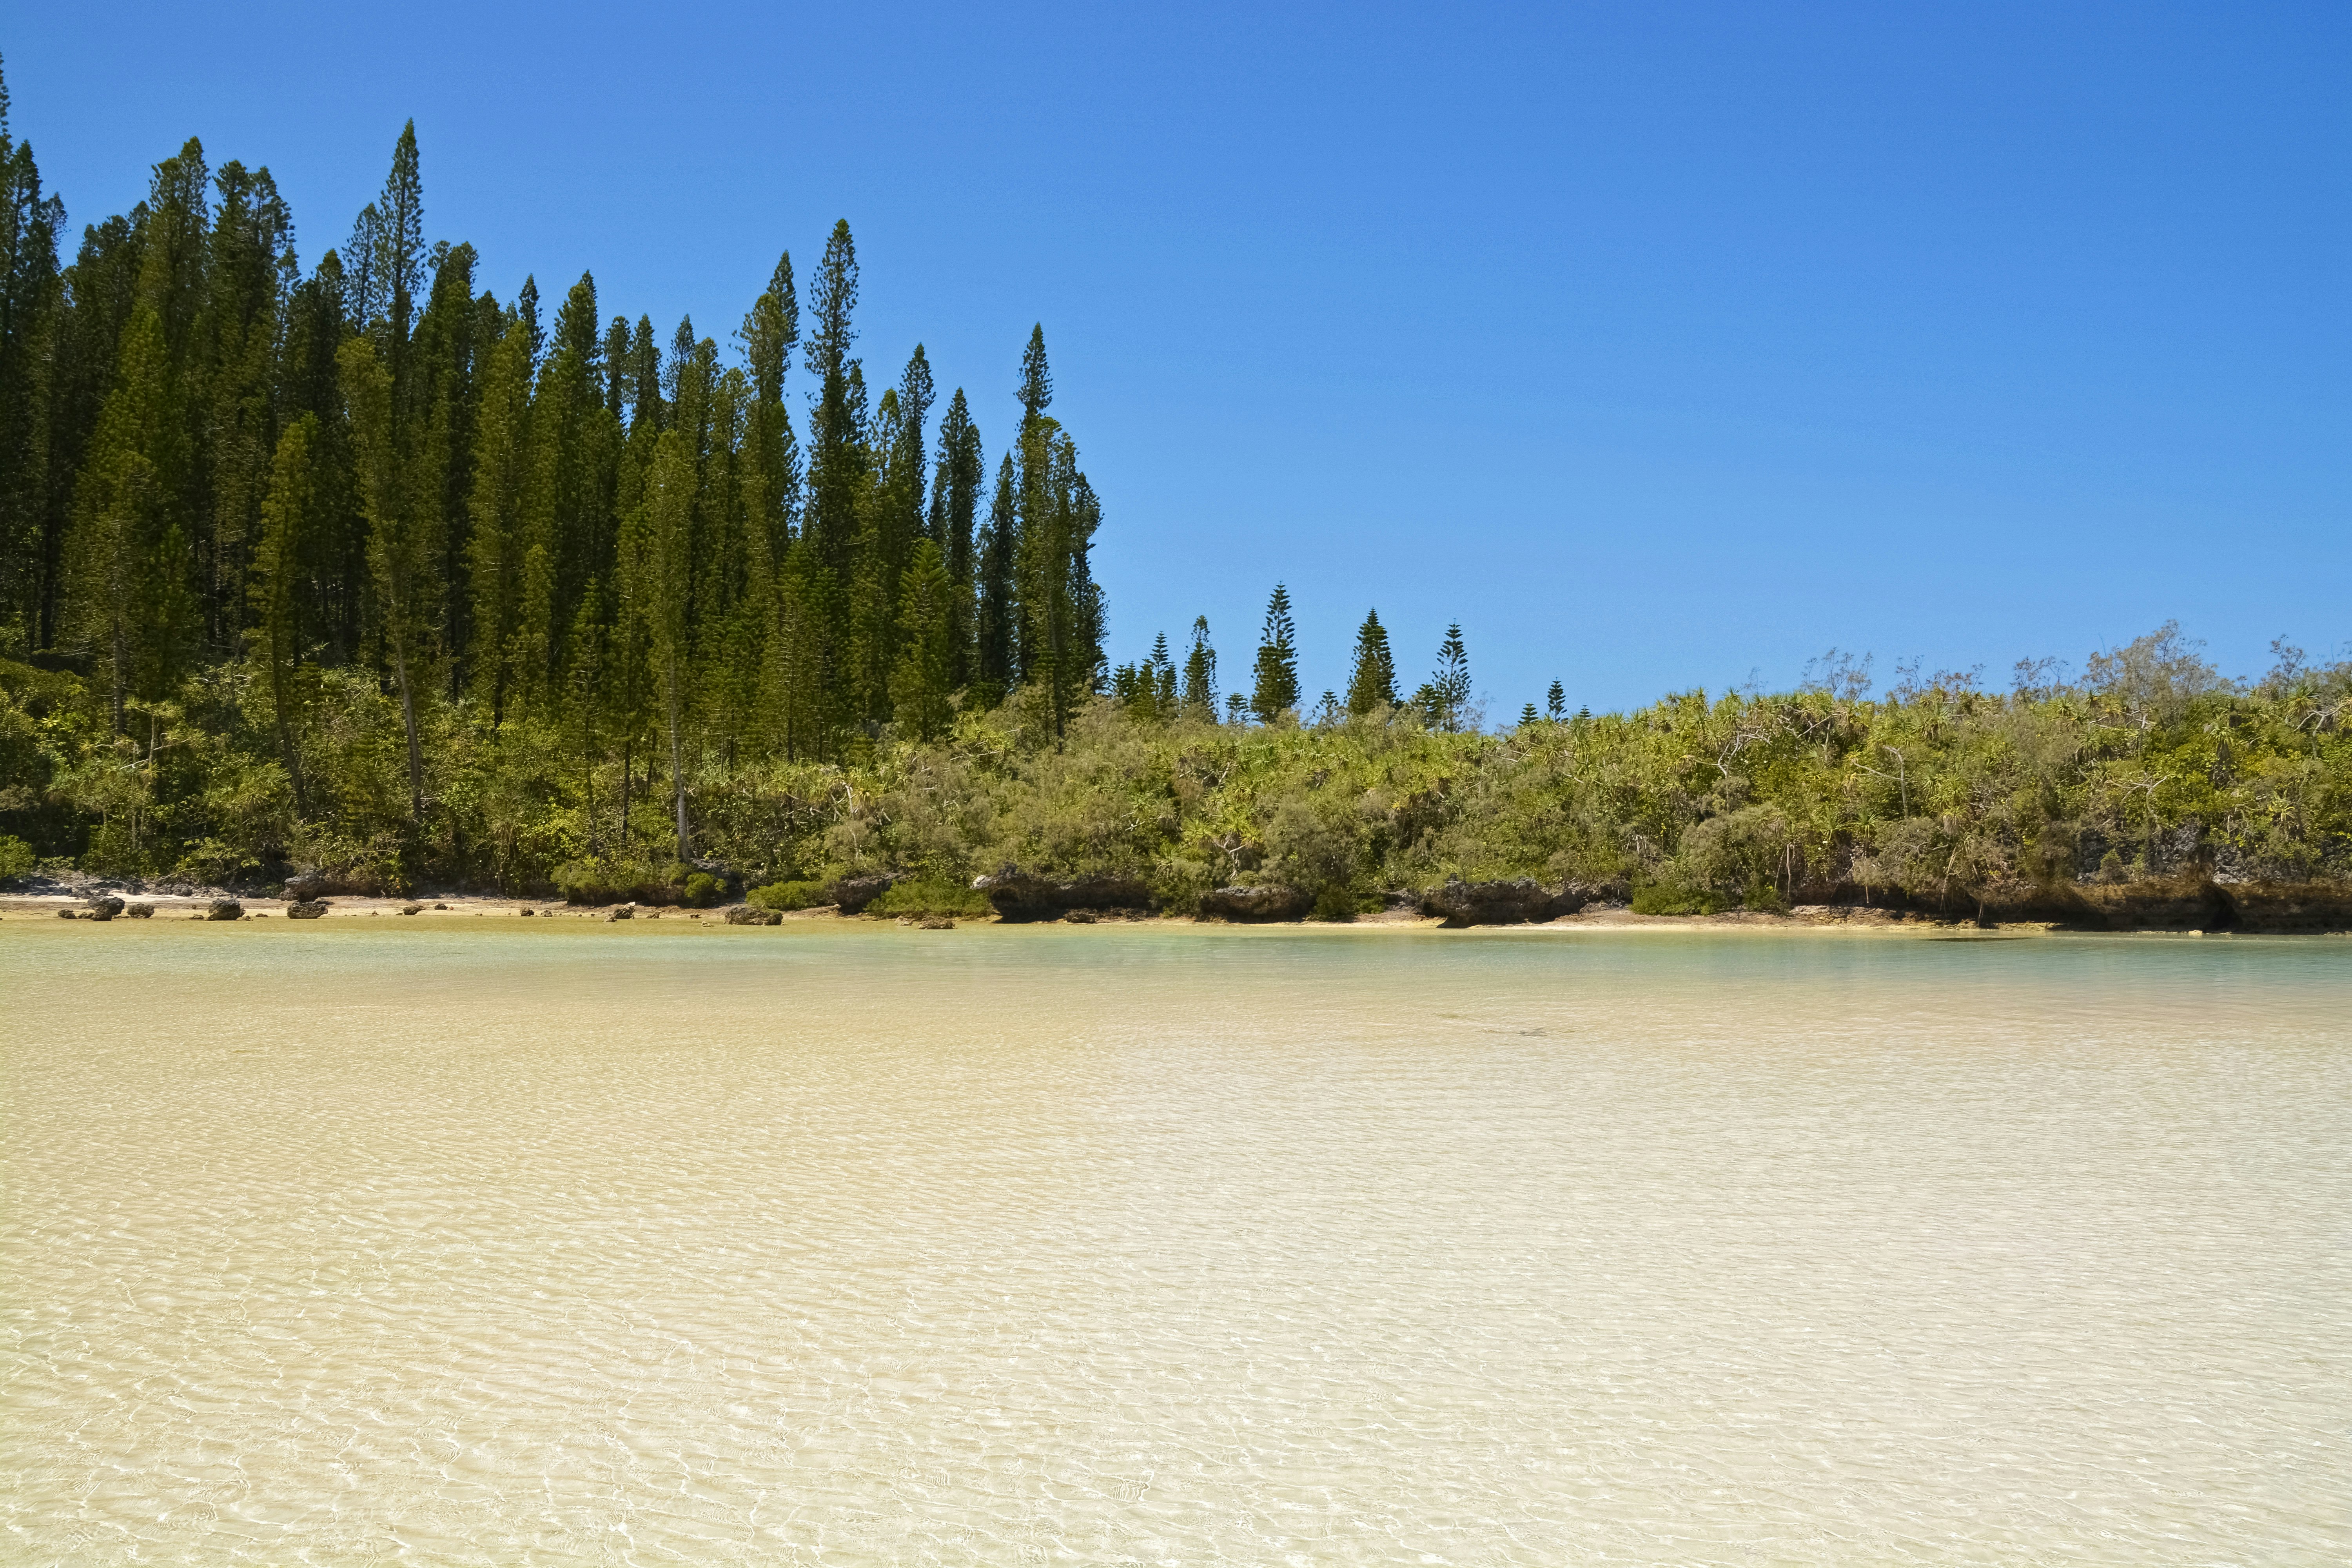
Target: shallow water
(847, 1244)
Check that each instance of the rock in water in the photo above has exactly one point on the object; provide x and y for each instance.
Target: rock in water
(140, 911)
(620, 913)
(525, 911)
(105, 907)
(751, 915)
(306, 908)
(1269, 902)
(225, 909)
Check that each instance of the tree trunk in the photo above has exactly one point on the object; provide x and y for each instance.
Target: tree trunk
(677, 768)
(408, 718)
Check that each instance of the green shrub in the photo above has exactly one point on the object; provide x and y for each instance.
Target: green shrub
(1339, 904)
(930, 896)
(597, 880)
(1667, 899)
(789, 896)
(702, 889)
(16, 857)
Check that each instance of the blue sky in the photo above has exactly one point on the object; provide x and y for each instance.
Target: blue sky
(1659, 344)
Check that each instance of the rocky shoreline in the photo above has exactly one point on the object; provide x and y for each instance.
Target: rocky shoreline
(2177, 907)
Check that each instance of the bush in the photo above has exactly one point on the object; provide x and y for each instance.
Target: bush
(789, 896)
(930, 896)
(16, 857)
(597, 880)
(702, 889)
(1339, 904)
(1668, 899)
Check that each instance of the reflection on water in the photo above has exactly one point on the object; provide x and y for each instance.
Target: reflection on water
(859, 1245)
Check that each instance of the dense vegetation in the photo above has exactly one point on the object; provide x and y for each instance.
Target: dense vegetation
(365, 569)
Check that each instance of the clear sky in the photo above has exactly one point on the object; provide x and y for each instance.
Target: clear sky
(1659, 344)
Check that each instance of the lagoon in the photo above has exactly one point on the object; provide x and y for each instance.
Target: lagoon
(841, 1243)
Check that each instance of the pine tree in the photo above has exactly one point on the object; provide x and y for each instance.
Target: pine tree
(526, 311)
(433, 423)
(664, 566)
(288, 515)
(617, 366)
(585, 651)
(644, 377)
(1276, 689)
(393, 231)
(1200, 696)
(1036, 388)
(771, 331)
(504, 468)
(839, 473)
(771, 483)
(1445, 701)
(891, 527)
(232, 365)
(33, 338)
(1556, 702)
(995, 641)
(1162, 672)
(919, 682)
(1371, 684)
(120, 554)
(400, 547)
(1061, 615)
(335, 556)
(1528, 715)
(576, 332)
(955, 506)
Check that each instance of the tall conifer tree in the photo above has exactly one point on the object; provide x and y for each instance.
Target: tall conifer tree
(501, 542)
(1371, 684)
(955, 506)
(995, 639)
(288, 515)
(1200, 696)
(1276, 689)
(919, 684)
(35, 336)
(1445, 701)
(400, 545)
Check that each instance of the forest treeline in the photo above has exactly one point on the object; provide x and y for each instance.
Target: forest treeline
(216, 459)
(362, 568)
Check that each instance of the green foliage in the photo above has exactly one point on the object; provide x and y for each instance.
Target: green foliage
(1275, 691)
(790, 895)
(1670, 898)
(362, 571)
(1372, 680)
(16, 858)
(930, 896)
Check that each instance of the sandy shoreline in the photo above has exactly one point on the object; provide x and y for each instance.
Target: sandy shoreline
(444, 908)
